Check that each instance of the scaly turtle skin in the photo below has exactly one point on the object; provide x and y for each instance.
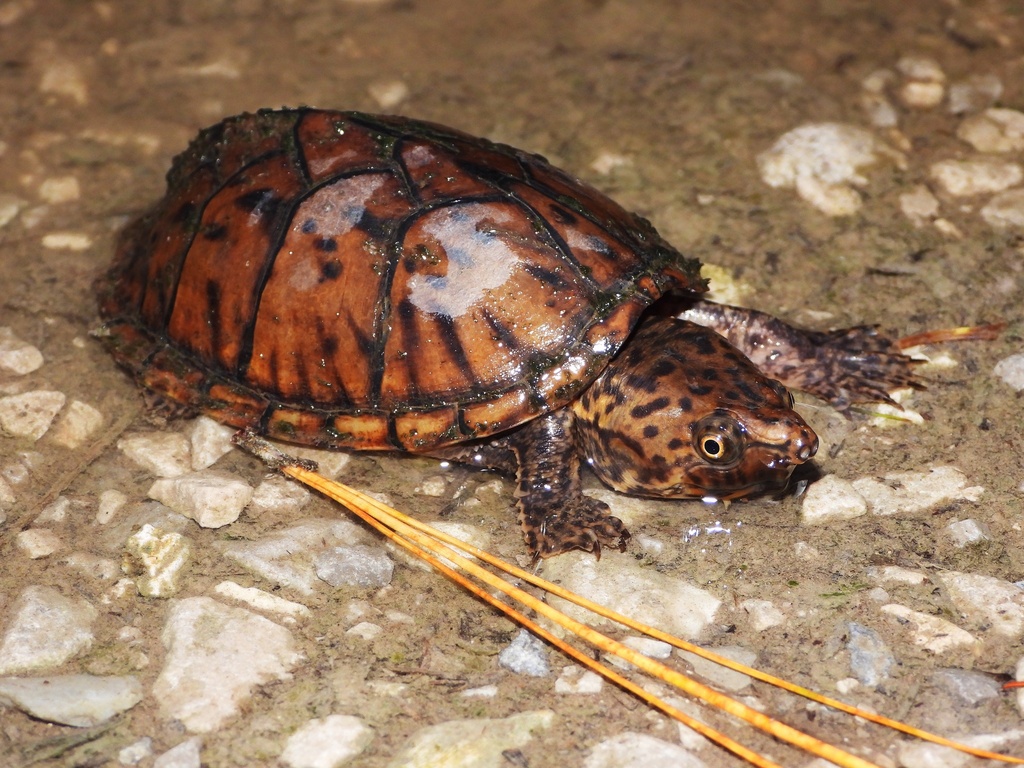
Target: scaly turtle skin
(363, 282)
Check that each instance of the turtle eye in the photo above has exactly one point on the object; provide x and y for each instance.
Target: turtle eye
(718, 440)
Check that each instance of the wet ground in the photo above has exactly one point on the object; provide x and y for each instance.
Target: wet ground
(665, 106)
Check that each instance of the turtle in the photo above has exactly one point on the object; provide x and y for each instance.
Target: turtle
(371, 282)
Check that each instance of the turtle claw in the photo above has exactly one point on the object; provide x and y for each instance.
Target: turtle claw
(583, 524)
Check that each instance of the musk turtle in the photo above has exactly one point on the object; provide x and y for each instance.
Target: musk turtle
(353, 281)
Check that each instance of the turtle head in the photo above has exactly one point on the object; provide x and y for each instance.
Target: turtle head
(682, 413)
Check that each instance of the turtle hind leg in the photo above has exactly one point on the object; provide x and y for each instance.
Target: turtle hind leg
(555, 515)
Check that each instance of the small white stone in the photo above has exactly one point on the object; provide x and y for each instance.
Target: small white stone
(7, 498)
(261, 601)
(921, 68)
(762, 614)
(60, 189)
(136, 752)
(478, 742)
(482, 692)
(433, 486)
(76, 425)
(638, 750)
(216, 656)
(286, 557)
(722, 677)
(919, 205)
(969, 531)
(360, 565)
(67, 241)
(211, 499)
(327, 742)
(606, 162)
(111, 501)
(930, 632)
(525, 655)
(164, 454)
(878, 80)
(388, 93)
(45, 629)
(365, 630)
(1011, 371)
(831, 498)
(653, 598)
(16, 356)
(56, 511)
(157, 560)
(910, 492)
(879, 109)
(30, 414)
(986, 600)
(1005, 210)
(78, 700)
(9, 204)
(578, 680)
(974, 93)
(994, 130)
(893, 574)
(648, 646)
(209, 441)
(847, 684)
(280, 495)
(823, 161)
(64, 78)
(36, 543)
(184, 755)
(93, 566)
(974, 177)
(922, 95)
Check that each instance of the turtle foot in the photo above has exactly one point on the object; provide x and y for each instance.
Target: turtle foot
(583, 524)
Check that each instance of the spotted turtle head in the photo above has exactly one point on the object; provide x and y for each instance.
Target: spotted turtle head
(683, 413)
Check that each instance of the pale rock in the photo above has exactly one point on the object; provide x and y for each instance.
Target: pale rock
(286, 557)
(388, 93)
(365, 630)
(435, 486)
(656, 599)
(210, 498)
(67, 241)
(360, 565)
(17, 356)
(209, 441)
(910, 492)
(184, 755)
(327, 742)
(55, 512)
(37, 543)
(7, 498)
(871, 661)
(919, 205)
(216, 656)
(44, 629)
(985, 600)
(606, 162)
(994, 130)
(280, 495)
(526, 655)
(878, 80)
(478, 743)
(967, 686)
(164, 454)
(964, 178)
(76, 425)
(578, 680)
(719, 676)
(1005, 210)
(157, 560)
(922, 95)
(830, 499)
(649, 647)
(262, 601)
(638, 750)
(93, 566)
(762, 614)
(969, 531)
(823, 162)
(974, 93)
(111, 501)
(136, 752)
(879, 109)
(30, 414)
(9, 204)
(894, 574)
(60, 189)
(481, 692)
(78, 700)
(931, 632)
(1011, 370)
(921, 68)
(1019, 677)
(64, 78)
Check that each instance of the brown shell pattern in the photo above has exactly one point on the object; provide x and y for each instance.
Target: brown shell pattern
(357, 281)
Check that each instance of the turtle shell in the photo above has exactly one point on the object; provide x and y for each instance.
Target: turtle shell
(347, 280)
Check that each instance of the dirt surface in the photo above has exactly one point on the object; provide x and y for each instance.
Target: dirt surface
(665, 106)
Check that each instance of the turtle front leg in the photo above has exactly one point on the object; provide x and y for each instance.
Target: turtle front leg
(846, 366)
(555, 515)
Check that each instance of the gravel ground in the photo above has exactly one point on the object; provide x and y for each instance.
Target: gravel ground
(166, 601)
